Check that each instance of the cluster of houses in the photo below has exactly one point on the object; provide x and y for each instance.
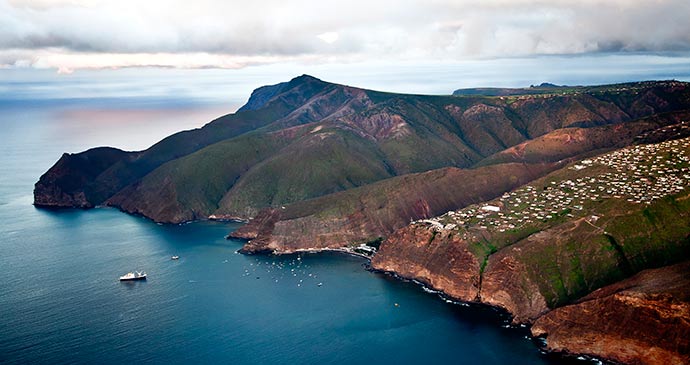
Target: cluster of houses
(637, 174)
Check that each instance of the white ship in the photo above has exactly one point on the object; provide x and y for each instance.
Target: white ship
(133, 276)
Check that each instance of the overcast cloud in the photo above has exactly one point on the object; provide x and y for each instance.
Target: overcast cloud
(73, 34)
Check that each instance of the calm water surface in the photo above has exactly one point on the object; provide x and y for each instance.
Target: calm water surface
(61, 302)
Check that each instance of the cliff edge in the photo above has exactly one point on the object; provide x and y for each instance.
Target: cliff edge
(641, 320)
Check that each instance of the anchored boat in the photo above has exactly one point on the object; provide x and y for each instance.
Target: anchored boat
(130, 276)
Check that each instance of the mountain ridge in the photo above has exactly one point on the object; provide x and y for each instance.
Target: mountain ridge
(397, 134)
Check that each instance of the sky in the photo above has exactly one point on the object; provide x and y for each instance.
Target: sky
(426, 46)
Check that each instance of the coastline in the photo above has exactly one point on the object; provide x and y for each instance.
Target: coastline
(538, 340)
(311, 250)
(503, 316)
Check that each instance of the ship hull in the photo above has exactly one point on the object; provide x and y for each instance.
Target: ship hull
(133, 279)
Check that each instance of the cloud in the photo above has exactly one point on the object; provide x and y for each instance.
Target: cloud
(216, 33)
(329, 37)
(66, 61)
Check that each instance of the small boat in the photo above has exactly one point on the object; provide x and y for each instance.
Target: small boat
(130, 276)
(175, 257)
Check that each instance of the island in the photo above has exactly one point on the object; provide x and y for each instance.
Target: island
(567, 206)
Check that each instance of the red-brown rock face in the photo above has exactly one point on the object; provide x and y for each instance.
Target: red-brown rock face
(641, 320)
(449, 265)
(506, 284)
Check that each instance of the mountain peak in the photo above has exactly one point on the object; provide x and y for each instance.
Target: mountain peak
(546, 85)
(260, 96)
(302, 80)
(305, 78)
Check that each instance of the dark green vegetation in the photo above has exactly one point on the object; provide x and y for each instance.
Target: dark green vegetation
(544, 88)
(307, 139)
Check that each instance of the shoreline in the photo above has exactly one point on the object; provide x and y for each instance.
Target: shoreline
(321, 250)
(501, 313)
(504, 317)
(313, 251)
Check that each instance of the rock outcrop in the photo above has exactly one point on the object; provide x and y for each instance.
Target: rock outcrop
(447, 263)
(641, 320)
(262, 95)
(64, 184)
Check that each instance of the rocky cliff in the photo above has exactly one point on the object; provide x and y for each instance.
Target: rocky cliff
(641, 320)
(65, 184)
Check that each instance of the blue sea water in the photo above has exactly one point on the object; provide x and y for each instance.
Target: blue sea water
(61, 302)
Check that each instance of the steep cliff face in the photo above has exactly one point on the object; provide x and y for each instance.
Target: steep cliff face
(506, 284)
(641, 320)
(447, 261)
(549, 268)
(63, 185)
(262, 95)
(440, 260)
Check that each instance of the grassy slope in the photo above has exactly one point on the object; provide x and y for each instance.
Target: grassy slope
(176, 183)
(579, 259)
(316, 164)
(126, 171)
(574, 141)
(380, 202)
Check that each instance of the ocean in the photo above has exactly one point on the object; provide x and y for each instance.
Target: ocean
(61, 301)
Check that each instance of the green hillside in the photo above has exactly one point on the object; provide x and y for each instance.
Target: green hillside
(308, 138)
